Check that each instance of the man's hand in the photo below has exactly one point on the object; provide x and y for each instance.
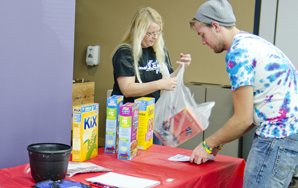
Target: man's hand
(199, 155)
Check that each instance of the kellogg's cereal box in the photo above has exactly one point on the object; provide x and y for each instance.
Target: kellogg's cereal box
(85, 132)
(146, 122)
(114, 103)
(128, 129)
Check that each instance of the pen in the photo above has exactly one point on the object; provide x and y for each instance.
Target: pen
(93, 185)
(96, 184)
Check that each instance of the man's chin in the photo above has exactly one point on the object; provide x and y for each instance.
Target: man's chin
(218, 51)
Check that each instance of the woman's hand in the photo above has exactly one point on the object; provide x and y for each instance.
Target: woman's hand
(168, 84)
(184, 59)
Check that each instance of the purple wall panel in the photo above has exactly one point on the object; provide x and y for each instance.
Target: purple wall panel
(36, 71)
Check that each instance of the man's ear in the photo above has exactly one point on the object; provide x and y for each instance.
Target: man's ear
(216, 26)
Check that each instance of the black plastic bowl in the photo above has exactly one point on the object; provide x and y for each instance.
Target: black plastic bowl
(48, 161)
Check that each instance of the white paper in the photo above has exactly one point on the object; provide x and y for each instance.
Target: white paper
(181, 158)
(83, 167)
(184, 158)
(123, 181)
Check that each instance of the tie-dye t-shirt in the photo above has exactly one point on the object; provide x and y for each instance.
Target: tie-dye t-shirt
(253, 61)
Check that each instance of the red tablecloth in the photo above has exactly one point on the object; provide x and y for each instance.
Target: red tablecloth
(224, 172)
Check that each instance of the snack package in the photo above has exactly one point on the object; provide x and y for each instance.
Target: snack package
(146, 122)
(85, 132)
(178, 128)
(114, 103)
(128, 129)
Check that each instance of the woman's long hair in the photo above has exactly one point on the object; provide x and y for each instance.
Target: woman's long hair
(135, 33)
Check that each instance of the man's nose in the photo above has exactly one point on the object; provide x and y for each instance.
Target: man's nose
(204, 41)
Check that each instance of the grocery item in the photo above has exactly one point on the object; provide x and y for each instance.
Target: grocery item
(114, 103)
(85, 132)
(128, 127)
(146, 122)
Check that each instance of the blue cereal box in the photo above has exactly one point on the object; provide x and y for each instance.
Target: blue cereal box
(128, 129)
(146, 122)
(114, 103)
(85, 132)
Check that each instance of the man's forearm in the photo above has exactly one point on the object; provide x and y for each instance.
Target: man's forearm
(232, 130)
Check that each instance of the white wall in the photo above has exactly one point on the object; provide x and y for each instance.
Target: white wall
(267, 20)
(278, 24)
(286, 30)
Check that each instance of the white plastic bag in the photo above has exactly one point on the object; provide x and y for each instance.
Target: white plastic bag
(178, 117)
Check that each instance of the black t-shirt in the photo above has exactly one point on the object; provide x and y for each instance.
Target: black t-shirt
(148, 67)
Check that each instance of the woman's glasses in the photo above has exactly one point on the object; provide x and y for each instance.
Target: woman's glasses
(151, 34)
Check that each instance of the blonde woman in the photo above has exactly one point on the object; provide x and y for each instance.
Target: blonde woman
(141, 62)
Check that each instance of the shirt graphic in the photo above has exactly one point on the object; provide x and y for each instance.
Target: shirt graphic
(151, 66)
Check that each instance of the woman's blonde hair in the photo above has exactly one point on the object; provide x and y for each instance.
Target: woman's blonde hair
(135, 33)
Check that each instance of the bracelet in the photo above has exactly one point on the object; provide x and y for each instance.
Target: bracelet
(209, 150)
(219, 147)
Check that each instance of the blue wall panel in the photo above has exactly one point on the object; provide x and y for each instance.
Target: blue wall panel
(36, 68)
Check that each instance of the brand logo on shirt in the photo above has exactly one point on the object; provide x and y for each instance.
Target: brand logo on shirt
(151, 66)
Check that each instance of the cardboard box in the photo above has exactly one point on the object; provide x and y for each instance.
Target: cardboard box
(82, 93)
(146, 122)
(128, 127)
(114, 103)
(85, 132)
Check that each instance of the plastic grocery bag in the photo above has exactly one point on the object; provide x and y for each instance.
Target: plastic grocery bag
(178, 117)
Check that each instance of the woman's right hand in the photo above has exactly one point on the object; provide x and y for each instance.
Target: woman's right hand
(168, 84)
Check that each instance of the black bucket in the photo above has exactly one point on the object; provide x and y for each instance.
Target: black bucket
(48, 161)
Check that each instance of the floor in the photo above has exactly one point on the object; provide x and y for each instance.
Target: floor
(295, 184)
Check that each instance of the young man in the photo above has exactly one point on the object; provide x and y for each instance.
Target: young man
(264, 89)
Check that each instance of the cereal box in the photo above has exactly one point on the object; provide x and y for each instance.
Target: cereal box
(128, 127)
(85, 132)
(112, 123)
(146, 122)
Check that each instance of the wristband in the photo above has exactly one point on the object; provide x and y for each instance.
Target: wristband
(209, 150)
(219, 147)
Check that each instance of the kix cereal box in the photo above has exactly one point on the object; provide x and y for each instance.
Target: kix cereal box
(146, 122)
(112, 123)
(128, 129)
(85, 132)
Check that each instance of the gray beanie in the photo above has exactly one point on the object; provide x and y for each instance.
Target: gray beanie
(219, 11)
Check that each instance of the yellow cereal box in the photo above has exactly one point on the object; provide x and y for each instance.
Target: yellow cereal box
(146, 122)
(85, 132)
